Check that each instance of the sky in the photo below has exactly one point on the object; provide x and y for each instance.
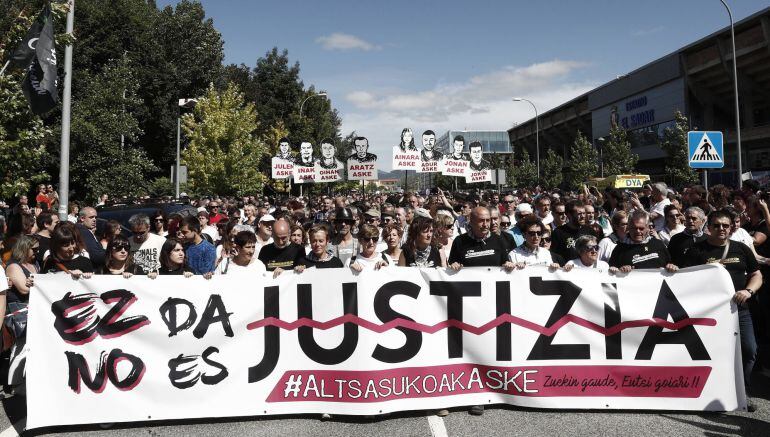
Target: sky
(456, 65)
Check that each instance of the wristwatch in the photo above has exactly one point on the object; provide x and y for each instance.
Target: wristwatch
(751, 292)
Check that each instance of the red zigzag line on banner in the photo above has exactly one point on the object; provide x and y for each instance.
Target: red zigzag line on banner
(478, 330)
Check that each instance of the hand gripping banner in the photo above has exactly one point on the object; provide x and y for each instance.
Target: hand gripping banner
(109, 349)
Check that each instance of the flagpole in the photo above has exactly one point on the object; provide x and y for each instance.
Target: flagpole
(64, 170)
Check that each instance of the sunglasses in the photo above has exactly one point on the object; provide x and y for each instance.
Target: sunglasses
(545, 240)
(534, 233)
(508, 201)
(449, 227)
(159, 220)
(505, 224)
(119, 247)
(720, 226)
(592, 248)
(344, 222)
(369, 239)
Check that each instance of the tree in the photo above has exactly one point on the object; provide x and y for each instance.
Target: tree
(523, 175)
(583, 161)
(22, 140)
(105, 110)
(678, 170)
(552, 174)
(617, 155)
(224, 151)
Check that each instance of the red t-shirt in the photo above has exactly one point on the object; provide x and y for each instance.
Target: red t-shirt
(43, 201)
(216, 218)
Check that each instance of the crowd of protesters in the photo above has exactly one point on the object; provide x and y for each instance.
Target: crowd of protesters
(612, 231)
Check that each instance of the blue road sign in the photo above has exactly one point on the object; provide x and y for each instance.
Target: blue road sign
(705, 149)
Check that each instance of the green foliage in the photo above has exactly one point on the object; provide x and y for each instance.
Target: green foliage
(22, 140)
(160, 187)
(678, 171)
(98, 162)
(523, 175)
(224, 151)
(552, 173)
(583, 161)
(617, 155)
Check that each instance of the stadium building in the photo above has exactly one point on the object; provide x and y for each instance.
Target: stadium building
(697, 81)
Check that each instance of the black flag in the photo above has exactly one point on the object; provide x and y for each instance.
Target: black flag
(37, 53)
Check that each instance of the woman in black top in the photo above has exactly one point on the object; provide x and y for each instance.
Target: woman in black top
(21, 266)
(118, 260)
(319, 256)
(65, 253)
(172, 260)
(419, 250)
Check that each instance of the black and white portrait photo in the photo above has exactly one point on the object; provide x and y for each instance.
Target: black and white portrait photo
(458, 147)
(328, 161)
(478, 163)
(429, 152)
(407, 141)
(284, 150)
(361, 146)
(305, 158)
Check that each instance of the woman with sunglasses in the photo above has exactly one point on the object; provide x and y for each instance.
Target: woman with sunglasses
(588, 256)
(443, 231)
(531, 253)
(118, 260)
(172, 260)
(67, 254)
(367, 258)
(545, 243)
(674, 223)
(159, 223)
(420, 250)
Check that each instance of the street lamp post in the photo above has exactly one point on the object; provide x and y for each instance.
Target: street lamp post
(735, 84)
(537, 133)
(321, 94)
(183, 104)
(601, 155)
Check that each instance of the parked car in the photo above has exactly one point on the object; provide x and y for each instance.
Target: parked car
(122, 213)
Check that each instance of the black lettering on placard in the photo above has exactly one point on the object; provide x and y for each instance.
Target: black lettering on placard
(385, 313)
(612, 343)
(544, 349)
(106, 369)
(272, 338)
(503, 296)
(307, 341)
(77, 321)
(215, 312)
(181, 370)
(455, 291)
(168, 312)
(666, 305)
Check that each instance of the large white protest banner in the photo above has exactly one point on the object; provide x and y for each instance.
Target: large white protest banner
(109, 349)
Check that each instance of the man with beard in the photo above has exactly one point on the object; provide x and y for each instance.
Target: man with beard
(281, 254)
(565, 236)
(344, 246)
(428, 152)
(362, 154)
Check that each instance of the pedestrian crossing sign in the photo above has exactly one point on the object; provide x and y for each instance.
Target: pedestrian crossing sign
(705, 149)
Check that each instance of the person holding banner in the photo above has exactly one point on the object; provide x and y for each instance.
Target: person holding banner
(640, 250)
(319, 256)
(66, 253)
(172, 260)
(531, 253)
(281, 254)
(392, 234)
(742, 265)
(588, 249)
(118, 260)
(420, 250)
(479, 247)
(242, 260)
(368, 258)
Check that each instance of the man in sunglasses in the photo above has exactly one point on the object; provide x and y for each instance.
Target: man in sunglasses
(344, 246)
(214, 215)
(639, 250)
(145, 246)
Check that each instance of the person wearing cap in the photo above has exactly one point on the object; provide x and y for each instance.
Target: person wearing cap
(522, 210)
(264, 231)
(344, 246)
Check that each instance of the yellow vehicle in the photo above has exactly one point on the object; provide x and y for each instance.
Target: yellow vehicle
(621, 181)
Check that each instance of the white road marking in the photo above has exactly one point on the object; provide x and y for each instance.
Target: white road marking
(437, 428)
(11, 432)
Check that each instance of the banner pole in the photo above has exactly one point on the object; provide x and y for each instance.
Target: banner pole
(64, 165)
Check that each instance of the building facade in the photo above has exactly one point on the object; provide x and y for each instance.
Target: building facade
(697, 81)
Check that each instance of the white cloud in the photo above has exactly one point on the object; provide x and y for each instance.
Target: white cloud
(481, 102)
(647, 32)
(344, 41)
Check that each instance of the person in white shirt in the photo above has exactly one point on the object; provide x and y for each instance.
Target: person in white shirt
(531, 253)
(368, 258)
(206, 228)
(674, 224)
(588, 258)
(145, 246)
(657, 209)
(619, 222)
(737, 233)
(243, 260)
(543, 209)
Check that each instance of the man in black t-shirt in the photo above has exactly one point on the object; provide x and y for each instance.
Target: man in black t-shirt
(281, 254)
(479, 247)
(694, 219)
(564, 237)
(639, 250)
(742, 265)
